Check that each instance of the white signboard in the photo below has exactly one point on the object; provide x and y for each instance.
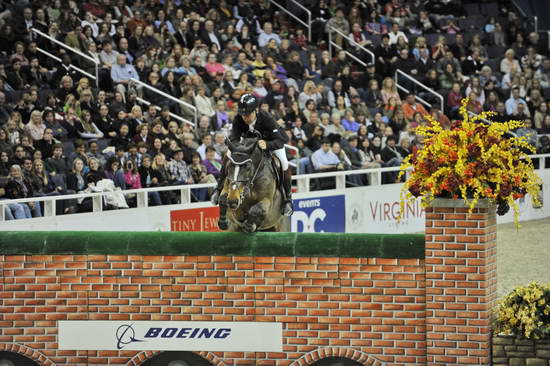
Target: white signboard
(376, 209)
(171, 336)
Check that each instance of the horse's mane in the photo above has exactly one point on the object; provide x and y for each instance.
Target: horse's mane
(246, 149)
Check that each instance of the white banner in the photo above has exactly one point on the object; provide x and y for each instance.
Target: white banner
(170, 336)
(375, 210)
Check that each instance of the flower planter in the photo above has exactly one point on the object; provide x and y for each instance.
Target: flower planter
(513, 351)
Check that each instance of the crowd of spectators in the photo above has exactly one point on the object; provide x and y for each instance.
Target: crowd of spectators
(63, 132)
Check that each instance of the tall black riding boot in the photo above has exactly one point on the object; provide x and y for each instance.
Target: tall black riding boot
(216, 194)
(288, 209)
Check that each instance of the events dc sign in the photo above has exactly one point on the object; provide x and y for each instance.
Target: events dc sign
(320, 214)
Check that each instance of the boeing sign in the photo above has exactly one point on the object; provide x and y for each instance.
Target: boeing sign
(171, 336)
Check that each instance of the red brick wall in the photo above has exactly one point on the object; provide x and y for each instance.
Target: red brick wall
(376, 311)
(370, 310)
(460, 284)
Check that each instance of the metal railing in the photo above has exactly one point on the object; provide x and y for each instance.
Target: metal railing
(375, 177)
(76, 68)
(430, 90)
(352, 42)
(303, 185)
(74, 50)
(168, 96)
(526, 18)
(174, 116)
(308, 12)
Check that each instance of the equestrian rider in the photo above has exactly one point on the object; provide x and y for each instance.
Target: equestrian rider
(250, 119)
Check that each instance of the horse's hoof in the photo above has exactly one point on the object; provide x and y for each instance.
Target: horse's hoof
(249, 228)
(223, 224)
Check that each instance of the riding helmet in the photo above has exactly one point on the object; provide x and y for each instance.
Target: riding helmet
(247, 104)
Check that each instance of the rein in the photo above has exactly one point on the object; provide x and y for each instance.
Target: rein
(249, 183)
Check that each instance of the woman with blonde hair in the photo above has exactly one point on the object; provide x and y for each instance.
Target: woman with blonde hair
(83, 84)
(389, 90)
(509, 62)
(161, 172)
(419, 44)
(310, 92)
(17, 119)
(35, 128)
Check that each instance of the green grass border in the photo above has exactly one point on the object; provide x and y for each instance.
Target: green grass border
(400, 246)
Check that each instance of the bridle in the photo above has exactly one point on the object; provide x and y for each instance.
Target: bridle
(249, 183)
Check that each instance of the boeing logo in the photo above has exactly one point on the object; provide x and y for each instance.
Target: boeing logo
(125, 334)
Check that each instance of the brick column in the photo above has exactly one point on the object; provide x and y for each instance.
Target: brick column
(460, 282)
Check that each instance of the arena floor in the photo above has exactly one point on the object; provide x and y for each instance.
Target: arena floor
(523, 256)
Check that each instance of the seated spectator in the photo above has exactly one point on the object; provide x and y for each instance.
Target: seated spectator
(122, 73)
(389, 90)
(392, 156)
(57, 163)
(349, 123)
(324, 159)
(529, 133)
(509, 63)
(19, 187)
(148, 180)
(180, 173)
(203, 103)
(513, 102)
(213, 165)
(161, 172)
(35, 128)
(410, 107)
(268, 35)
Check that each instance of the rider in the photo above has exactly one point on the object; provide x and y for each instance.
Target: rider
(273, 139)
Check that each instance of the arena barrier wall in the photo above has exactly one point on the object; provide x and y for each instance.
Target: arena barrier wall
(370, 209)
(373, 299)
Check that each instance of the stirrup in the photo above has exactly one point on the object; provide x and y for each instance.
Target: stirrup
(288, 208)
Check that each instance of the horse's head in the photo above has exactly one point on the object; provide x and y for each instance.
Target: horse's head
(240, 171)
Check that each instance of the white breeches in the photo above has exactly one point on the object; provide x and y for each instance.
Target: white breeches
(281, 155)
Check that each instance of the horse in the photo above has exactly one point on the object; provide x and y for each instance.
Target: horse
(250, 199)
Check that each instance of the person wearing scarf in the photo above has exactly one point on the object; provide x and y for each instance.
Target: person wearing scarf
(19, 187)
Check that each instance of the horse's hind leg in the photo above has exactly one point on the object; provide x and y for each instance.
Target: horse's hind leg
(256, 216)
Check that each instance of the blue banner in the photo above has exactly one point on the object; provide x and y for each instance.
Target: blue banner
(318, 215)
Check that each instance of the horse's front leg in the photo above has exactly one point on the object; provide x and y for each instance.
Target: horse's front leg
(223, 224)
(256, 216)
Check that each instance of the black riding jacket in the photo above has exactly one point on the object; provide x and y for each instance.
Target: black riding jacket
(270, 131)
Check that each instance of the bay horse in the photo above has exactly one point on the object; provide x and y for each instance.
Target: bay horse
(250, 199)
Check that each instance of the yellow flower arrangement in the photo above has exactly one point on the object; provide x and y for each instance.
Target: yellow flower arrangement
(525, 312)
(474, 159)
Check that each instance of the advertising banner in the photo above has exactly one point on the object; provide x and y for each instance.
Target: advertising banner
(319, 214)
(197, 219)
(376, 209)
(171, 336)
